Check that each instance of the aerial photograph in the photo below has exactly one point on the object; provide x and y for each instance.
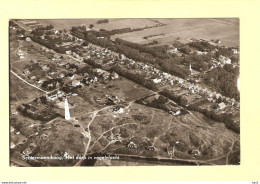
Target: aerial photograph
(124, 92)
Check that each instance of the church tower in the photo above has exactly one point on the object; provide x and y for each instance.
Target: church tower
(67, 110)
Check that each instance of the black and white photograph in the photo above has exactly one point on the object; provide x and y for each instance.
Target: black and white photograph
(124, 92)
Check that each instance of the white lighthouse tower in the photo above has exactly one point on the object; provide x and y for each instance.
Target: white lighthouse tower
(67, 110)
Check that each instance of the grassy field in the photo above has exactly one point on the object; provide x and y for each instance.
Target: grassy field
(21, 91)
(112, 24)
(227, 30)
(66, 23)
(130, 89)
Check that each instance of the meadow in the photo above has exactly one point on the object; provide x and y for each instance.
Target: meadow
(227, 30)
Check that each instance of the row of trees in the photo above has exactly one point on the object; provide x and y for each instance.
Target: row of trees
(158, 51)
(140, 53)
(102, 21)
(50, 43)
(138, 78)
(202, 46)
(20, 31)
(223, 81)
(44, 115)
(39, 31)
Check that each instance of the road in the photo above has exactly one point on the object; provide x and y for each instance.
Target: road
(28, 82)
(21, 25)
(88, 132)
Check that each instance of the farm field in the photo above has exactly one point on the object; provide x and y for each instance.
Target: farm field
(112, 24)
(184, 29)
(66, 23)
(181, 29)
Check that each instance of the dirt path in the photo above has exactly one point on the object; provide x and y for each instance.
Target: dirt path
(28, 82)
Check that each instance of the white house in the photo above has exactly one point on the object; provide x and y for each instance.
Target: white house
(75, 83)
(28, 39)
(156, 81)
(222, 105)
(114, 75)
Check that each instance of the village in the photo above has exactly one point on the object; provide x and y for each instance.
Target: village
(63, 65)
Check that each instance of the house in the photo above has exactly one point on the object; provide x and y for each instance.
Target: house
(200, 53)
(173, 50)
(73, 70)
(45, 67)
(95, 79)
(210, 94)
(221, 105)
(122, 57)
(114, 75)
(57, 56)
(27, 151)
(233, 101)
(12, 145)
(105, 75)
(218, 41)
(75, 83)
(55, 31)
(68, 52)
(61, 75)
(195, 153)
(218, 95)
(111, 137)
(70, 76)
(39, 81)
(132, 145)
(118, 110)
(180, 81)
(166, 75)
(178, 112)
(28, 39)
(156, 81)
(32, 77)
(26, 71)
(210, 99)
(150, 148)
(235, 51)
(224, 60)
(67, 66)
(54, 95)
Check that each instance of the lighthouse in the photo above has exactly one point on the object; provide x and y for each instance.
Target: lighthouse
(67, 110)
(190, 68)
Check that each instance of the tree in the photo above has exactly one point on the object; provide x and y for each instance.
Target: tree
(228, 67)
(49, 27)
(102, 21)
